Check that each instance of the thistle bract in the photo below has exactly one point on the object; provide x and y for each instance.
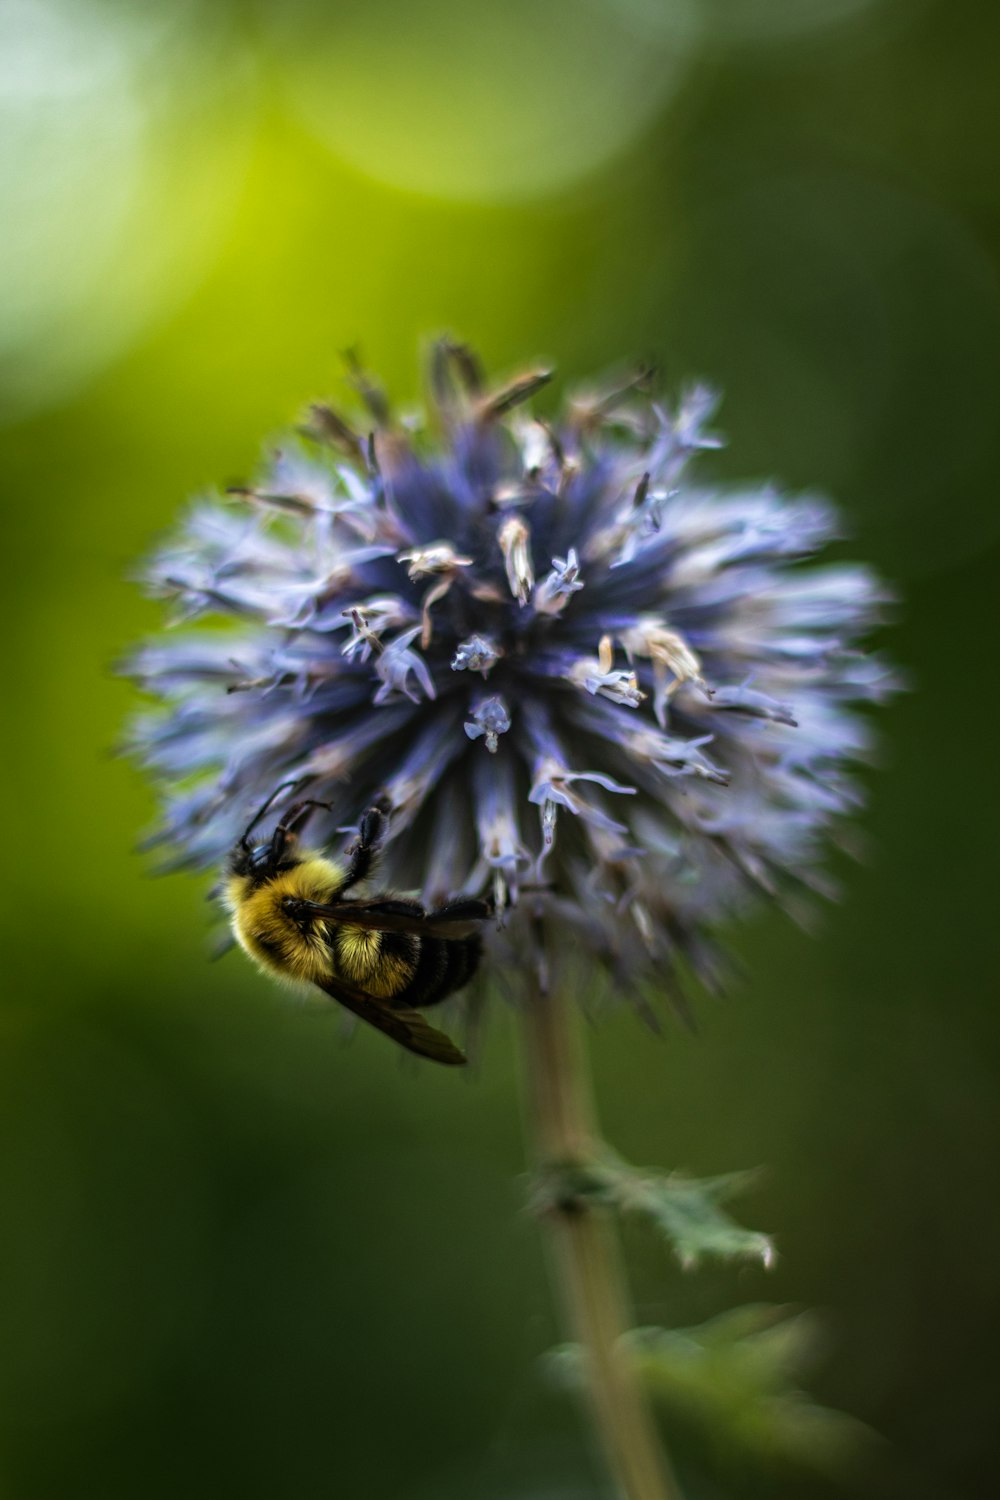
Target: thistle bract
(575, 668)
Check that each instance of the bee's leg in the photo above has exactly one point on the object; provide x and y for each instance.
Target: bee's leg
(364, 851)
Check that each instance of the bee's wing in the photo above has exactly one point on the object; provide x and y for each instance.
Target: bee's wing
(459, 920)
(405, 1026)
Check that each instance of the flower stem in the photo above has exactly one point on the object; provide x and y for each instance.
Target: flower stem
(585, 1254)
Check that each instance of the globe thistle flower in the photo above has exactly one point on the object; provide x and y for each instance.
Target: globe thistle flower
(575, 667)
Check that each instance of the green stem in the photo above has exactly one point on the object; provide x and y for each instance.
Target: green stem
(585, 1253)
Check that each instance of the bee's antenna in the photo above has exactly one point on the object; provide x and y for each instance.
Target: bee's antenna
(296, 781)
(297, 815)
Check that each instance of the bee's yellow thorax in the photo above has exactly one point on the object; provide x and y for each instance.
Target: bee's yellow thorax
(268, 935)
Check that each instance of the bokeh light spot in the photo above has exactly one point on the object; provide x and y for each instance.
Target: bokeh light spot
(481, 103)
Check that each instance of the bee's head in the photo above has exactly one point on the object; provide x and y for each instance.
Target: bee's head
(261, 861)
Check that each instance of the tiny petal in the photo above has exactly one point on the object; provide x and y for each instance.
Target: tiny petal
(395, 666)
(440, 557)
(514, 537)
(598, 675)
(674, 757)
(477, 654)
(553, 783)
(553, 592)
(552, 787)
(747, 700)
(370, 621)
(535, 444)
(502, 851)
(672, 658)
(491, 719)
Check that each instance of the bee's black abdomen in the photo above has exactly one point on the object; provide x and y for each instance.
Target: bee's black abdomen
(463, 961)
(427, 984)
(401, 945)
(444, 966)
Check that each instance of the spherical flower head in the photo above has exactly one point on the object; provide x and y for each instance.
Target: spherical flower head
(593, 686)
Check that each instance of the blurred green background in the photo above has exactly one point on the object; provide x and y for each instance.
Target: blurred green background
(236, 1256)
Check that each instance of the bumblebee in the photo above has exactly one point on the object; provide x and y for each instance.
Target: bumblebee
(381, 958)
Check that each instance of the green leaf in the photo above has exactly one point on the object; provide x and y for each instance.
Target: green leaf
(735, 1379)
(733, 1384)
(687, 1210)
